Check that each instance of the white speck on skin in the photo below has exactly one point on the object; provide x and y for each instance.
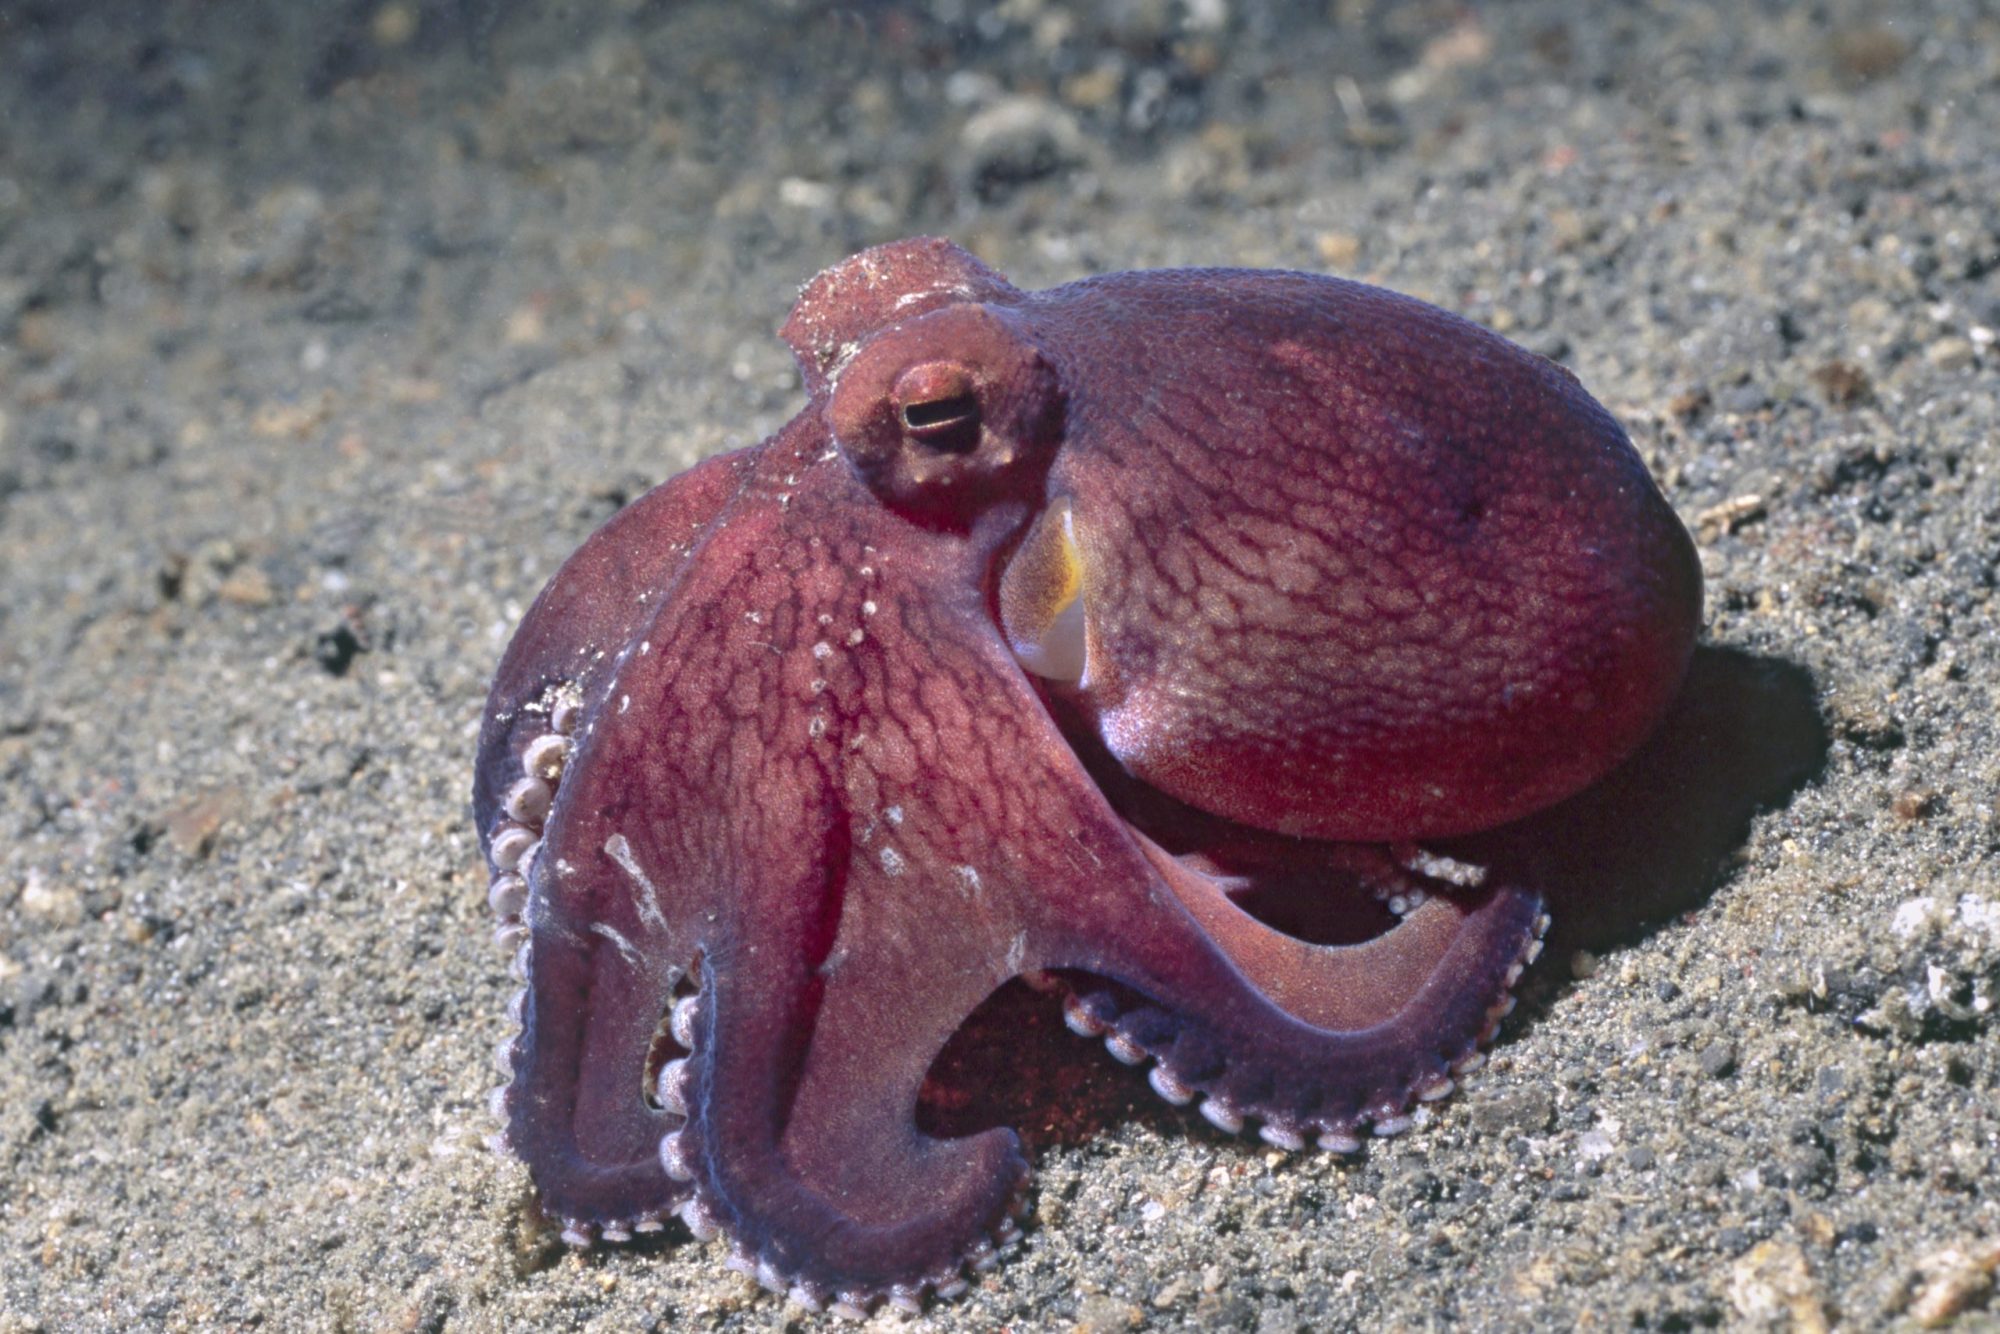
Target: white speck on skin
(894, 815)
(969, 877)
(624, 703)
(892, 862)
(625, 949)
(619, 850)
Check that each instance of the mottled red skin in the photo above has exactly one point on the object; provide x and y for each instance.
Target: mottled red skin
(1356, 570)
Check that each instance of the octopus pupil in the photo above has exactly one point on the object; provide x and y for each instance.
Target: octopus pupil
(949, 424)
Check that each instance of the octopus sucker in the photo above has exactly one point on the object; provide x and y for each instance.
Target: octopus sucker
(504, 849)
(1220, 1114)
(1168, 1087)
(513, 841)
(506, 896)
(1438, 1088)
(1281, 1136)
(674, 1157)
(700, 1218)
(1165, 613)
(528, 801)
(673, 1086)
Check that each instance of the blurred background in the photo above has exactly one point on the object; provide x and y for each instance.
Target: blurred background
(327, 331)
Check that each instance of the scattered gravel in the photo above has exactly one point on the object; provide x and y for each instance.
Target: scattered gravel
(327, 331)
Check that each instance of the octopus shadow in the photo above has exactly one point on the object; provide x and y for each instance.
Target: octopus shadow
(1648, 843)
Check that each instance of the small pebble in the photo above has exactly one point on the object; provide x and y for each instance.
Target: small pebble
(1337, 250)
(1014, 142)
(193, 824)
(1868, 53)
(1773, 1286)
(1959, 1278)
(393, 25)
(1913, 804)
(248, 587)
(54, 903)
(1950, 354)
(1844, 383)
(1744, 399)
(1100, 1313)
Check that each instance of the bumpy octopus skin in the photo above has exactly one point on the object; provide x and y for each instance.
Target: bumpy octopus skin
(783, 774)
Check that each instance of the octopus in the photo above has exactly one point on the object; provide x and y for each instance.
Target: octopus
(1057, 637)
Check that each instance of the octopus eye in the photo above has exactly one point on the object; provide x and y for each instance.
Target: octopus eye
(939, 407)
(948, 413)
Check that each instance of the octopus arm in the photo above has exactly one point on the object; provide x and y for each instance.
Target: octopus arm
(596, 605)
(599, 966)
(578, 1112)
(1319, 1043)
(801, 1144)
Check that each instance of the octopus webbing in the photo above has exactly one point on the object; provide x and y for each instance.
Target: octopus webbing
(1055, 632)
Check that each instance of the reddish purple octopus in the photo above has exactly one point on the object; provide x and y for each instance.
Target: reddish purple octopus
(1052, 627)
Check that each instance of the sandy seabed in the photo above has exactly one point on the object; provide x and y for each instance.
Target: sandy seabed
(326, 332)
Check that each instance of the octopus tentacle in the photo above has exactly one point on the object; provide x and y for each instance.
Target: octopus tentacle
(574, 1107)
(593, 608)
(576, 1110)
(584, 1021)
(790, 1124)
(813, 1164)
(1319, 1043)
(1441, 985)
